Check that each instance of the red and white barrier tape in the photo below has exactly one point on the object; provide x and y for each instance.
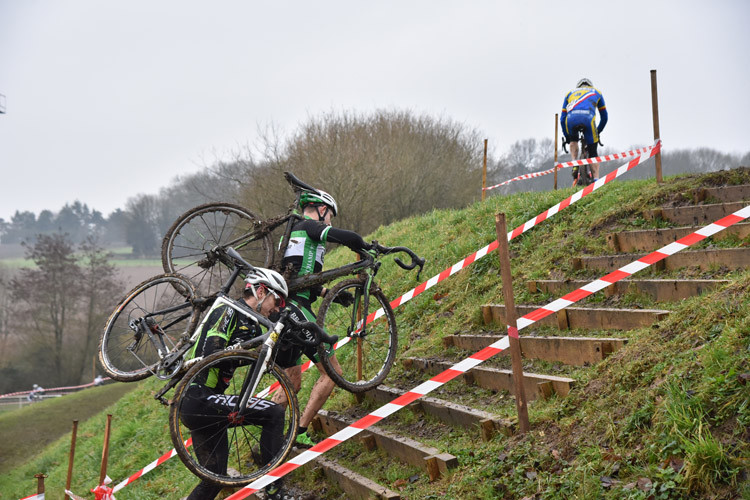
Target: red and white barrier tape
(53, 389)
(38, 496)
(453, 270)
(601, 159)
(149, 467)
(488, 352)
(598, 159)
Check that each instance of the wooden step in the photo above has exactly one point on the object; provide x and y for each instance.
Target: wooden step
(723, 194)
(577, 351)
(535, 385)
(694, 215)
(448, 412)
(659, 290)
(731, 258)
(652, 239)
(590, 318)
(354, 485)
(412, 452)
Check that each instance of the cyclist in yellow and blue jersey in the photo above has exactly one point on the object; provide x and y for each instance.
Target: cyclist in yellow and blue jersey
(579, 109)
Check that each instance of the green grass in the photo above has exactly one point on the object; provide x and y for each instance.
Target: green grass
(670, 410)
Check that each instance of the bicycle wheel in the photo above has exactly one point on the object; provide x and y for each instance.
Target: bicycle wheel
(186, 246)
(125, 353)
(216, 442)
(365, 360)
(586, 177)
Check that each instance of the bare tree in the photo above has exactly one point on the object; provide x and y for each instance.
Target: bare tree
(380, 167)
(99, 289)
(47, 294)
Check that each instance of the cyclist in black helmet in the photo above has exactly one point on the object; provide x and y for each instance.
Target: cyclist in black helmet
(305, 253)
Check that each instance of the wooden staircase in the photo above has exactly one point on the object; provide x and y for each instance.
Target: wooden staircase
(578, 336)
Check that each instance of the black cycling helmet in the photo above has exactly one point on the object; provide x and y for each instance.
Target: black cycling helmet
(584, 82)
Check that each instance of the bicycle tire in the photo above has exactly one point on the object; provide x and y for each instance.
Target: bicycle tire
(186, 246)
(242, 462)
(586, 177)
(379, 346)
(152, 295)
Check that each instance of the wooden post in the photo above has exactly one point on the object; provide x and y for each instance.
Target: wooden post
(655, 112)
(105, 451)
(555, 150)
(484, 170)
(40, 483)
(71, 456)
(510, 319)
(358, 304)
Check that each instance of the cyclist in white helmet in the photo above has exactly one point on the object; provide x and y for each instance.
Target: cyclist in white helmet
(305, 254)
(579, 109)
(266, 292)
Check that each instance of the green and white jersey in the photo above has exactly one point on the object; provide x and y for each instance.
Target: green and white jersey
(306, 251)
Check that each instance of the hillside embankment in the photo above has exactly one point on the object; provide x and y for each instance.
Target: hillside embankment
(665, 414)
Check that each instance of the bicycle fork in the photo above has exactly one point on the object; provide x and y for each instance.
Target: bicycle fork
(250, 384)
(358, 324)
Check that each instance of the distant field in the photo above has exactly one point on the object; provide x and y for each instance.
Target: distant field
(28, 430)
(131, 271)
(135, 274)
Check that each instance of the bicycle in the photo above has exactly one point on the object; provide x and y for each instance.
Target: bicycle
(194, 244)
(376, 343)
(191, 245)
(582, 174)
(262, 413)
(155, 325)
(149, 334)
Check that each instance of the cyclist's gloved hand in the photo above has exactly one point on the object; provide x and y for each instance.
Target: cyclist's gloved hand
(344, 298)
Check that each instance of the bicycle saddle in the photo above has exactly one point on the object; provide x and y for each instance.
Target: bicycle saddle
(298, 184)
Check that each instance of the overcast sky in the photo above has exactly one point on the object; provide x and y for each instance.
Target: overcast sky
(108, 99)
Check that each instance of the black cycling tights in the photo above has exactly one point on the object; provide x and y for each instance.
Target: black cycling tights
(592, 150)
(206, 413)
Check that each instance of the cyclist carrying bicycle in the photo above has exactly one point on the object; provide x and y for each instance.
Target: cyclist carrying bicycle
(579, 110)
(206, 407)
(305, 254)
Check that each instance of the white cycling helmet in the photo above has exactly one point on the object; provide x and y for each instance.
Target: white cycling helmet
(271, 279)
(584, 82)
(319, 198)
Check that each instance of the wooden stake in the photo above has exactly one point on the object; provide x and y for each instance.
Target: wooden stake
(510, 319)
(105, 451)
(484, 170)
(359, 305)
(655, 113)
(40, 483)
(555, 150)
(71, 456)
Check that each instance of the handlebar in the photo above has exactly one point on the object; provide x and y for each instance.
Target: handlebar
(293, 325)
(416, 260)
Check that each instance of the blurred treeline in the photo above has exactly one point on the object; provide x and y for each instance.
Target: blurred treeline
(380, 167)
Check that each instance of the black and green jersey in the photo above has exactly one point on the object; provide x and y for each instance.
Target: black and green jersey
(224, 326)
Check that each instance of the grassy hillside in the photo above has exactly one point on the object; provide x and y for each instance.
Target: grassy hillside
(672, 408)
